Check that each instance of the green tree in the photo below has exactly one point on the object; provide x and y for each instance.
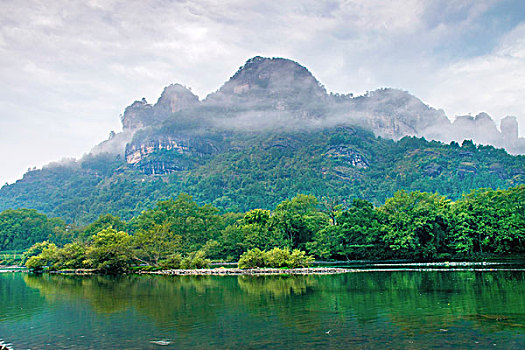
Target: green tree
(258, 231)
(416, 224)
(231, 242)
(71, 256)
(182, 217)
(155, 243)
(41, 255)
(356, 234)
(110, 252)
(489, 221)
(21, 228)
(298, 219)
(103, 222)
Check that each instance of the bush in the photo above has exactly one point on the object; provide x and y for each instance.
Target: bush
(251, 259)
(47, 256)
(171, 262)
(299, 258)
(195, 260)
(277, 257)
(110, 252)
(274, 258)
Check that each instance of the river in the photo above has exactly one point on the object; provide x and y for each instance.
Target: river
(401, 309)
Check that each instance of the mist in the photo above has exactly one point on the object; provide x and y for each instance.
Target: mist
(275, 94)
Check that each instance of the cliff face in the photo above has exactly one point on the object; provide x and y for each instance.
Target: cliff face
(136, 152)
(141, 114)
(168, 154)
(279, 94)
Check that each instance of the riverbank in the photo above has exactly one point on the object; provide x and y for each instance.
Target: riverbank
(221, 271)
(260, 271)
(354, 266)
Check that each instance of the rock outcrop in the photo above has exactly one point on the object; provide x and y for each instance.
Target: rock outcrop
(173, 99)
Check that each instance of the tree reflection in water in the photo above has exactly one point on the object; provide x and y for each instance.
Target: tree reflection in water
(403, 305)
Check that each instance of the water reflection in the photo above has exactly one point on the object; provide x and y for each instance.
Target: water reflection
(276, 286)
(228, 311)
(16, 301)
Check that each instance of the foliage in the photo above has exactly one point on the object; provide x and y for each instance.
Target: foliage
(416, 224)
(251, 259)
(182, 221)
(21, 228)
(45, 258)
(110, 252)
(103, 222)
(172, 261)
(261, 170)
(274, 258)
(355, 234)
(195, 260)
(71, 256)
(298, 219)
(488, 221)
(410, 225)
(152, 244)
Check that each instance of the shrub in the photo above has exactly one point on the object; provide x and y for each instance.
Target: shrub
(277, 257)
(299, 258)
(171, 262)
(47, 256)
(195, 260)
(251, 259)
(274, 258)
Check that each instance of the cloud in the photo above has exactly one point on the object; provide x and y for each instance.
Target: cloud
(494, 83)
(66, 65)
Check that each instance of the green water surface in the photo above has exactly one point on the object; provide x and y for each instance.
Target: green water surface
(360, 310)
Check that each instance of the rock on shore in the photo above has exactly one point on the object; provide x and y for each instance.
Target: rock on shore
(257, 271)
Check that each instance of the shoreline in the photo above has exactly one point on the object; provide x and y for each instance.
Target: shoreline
(377, 266)
(249, 272)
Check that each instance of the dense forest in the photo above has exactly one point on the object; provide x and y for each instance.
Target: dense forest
(181, 233)
(260, 170)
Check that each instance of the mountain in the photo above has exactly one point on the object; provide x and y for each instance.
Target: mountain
(270, 132)
(277, 93)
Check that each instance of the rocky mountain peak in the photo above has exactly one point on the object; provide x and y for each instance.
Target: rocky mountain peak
(137, 115)
(276, 93)
(509, 127)
(174, 98)
(272, 77)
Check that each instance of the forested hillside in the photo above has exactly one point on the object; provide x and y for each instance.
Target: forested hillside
(259, 170)
(410, 225)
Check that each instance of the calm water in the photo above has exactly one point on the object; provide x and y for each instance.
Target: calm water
(364, 310)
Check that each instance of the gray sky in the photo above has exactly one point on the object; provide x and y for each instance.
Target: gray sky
(69, 68)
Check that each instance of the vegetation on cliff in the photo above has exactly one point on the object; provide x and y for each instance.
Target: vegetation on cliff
(263, 169)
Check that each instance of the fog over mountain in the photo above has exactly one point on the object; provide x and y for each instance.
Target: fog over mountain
(280, 94)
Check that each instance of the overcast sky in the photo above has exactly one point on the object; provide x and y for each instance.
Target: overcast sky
(69, 68)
